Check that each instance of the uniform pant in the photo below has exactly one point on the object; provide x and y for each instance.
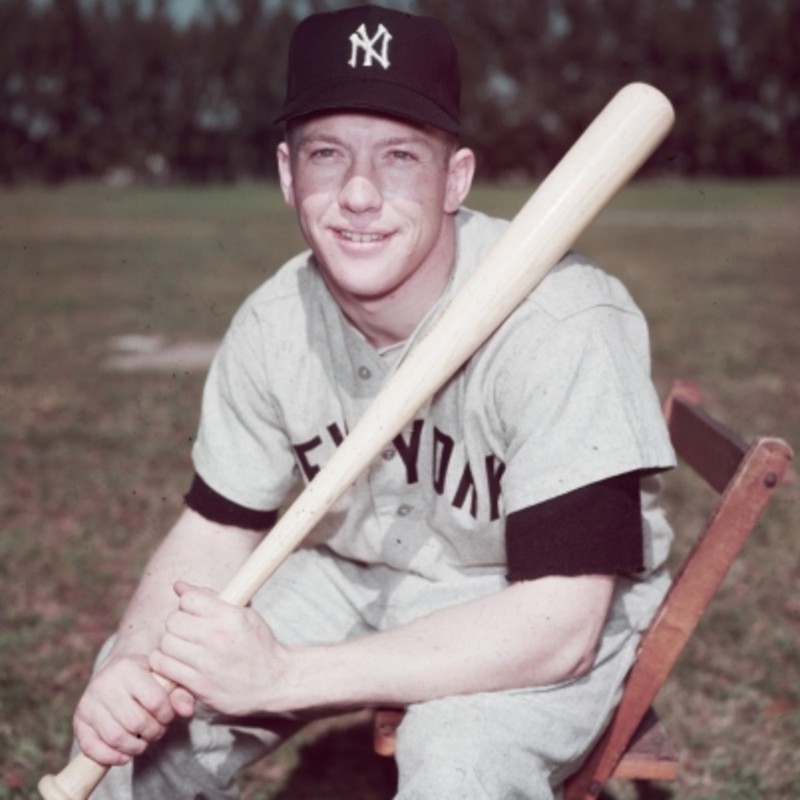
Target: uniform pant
(510, 744)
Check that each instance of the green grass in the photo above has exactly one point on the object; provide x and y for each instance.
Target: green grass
(93, 463)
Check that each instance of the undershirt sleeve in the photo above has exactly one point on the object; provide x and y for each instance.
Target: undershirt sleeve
(596, 529)
(216, 508)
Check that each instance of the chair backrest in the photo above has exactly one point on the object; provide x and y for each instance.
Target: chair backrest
(745, 477)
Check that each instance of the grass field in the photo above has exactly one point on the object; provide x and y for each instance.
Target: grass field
(93, 462)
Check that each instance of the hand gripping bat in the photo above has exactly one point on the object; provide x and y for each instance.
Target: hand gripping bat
(611, 150)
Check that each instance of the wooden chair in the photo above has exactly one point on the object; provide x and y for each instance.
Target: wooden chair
(635, 745)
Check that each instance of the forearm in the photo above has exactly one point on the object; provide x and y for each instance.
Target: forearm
(530, 634)
(194, 550)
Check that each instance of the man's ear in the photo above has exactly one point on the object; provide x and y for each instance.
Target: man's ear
(460, 171)
(285, 173)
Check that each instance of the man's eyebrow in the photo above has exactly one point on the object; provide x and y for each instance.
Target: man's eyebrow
(397, 141)
(318, 138)
(390, 141)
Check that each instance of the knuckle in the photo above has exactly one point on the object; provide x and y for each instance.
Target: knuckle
(164, 714)
(153, 701)
(84, 738)
(135, 723)
(157, 733)
(154, 657)
(116, 737)
(220, 640)
(171, 625)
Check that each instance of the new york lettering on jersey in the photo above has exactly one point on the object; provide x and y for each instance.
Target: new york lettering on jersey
(428, 454)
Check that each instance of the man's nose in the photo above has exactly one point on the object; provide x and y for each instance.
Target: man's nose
(361, 190)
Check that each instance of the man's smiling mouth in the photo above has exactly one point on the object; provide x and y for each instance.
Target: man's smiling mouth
(361, 238)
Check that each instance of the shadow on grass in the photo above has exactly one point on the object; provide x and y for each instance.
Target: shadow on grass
(639, 790)
(651, 791)
(341, 764)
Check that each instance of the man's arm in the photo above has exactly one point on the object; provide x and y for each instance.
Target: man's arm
(124, 707)
(532, 633)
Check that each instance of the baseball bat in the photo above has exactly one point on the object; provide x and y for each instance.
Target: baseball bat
(602, 160)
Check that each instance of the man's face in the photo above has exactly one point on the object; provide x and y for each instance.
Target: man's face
(375, 197)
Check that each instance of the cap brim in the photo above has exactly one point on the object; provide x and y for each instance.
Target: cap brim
(380, 97)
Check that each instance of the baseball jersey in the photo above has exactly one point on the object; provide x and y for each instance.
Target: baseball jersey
(558, 398)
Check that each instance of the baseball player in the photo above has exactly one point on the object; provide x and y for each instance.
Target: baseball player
(492, 570)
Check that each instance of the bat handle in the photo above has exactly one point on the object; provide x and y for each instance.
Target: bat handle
(75, 782)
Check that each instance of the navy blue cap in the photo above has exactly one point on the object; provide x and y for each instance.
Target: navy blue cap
(374, 59)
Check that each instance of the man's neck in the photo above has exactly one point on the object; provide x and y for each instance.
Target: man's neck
(392, 318)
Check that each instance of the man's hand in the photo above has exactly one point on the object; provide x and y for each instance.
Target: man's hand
(124, 709)
(226, 656)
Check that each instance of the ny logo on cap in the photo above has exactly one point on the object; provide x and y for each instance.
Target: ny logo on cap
(360, 40)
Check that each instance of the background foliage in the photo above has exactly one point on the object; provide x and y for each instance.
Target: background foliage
(126, 88)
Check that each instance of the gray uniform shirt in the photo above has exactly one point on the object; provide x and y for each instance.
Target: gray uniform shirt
(560, 397)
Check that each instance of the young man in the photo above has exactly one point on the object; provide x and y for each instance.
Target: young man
(492, 570)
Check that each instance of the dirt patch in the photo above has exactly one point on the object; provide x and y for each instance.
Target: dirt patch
(136, 353)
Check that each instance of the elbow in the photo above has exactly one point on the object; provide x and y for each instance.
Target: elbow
(580, 660)
(563, 632)
(581, 648)
(572, 658)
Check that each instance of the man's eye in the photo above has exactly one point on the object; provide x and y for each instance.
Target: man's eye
(402, 156)
(323, 154)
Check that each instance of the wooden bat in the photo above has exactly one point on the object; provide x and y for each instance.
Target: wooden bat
(604, 158)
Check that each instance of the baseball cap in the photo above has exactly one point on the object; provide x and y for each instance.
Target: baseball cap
(376, 59)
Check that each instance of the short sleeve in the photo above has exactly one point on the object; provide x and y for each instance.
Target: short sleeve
(242, 451)
(578, 406)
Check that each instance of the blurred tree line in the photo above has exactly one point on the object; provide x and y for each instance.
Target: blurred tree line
(121, 88)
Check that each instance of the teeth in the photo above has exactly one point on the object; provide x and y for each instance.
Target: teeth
(361, 238)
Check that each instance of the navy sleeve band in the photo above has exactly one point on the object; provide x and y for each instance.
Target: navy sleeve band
(596, 529)
(216, 508)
